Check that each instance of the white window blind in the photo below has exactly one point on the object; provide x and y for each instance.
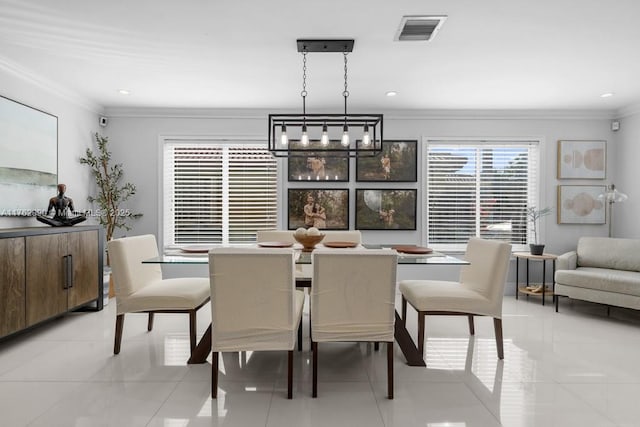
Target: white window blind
(217, 192)
(481, 189)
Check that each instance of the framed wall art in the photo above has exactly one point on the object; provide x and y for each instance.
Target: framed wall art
(320, 208)
(579, 204)
(28, 158)
(582, 159)
(319, 166)
(378, 209)
(396, 163)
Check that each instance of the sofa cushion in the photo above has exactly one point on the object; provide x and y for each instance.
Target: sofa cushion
(603, 279)
(603, 252)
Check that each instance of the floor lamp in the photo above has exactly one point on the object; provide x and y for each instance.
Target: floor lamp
(612, 196)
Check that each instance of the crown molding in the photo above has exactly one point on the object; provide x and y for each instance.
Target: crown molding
(515, 114)
(49, 86)
(252, 113)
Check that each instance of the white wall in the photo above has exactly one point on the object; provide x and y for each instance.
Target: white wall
(626, 177)
(76, 124)
(135, 134)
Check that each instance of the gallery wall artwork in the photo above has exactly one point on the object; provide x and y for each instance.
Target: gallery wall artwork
(28, 160)
(385, 209)
(582, 159)
(396, 163)
(319, 166)
(321, 208)
(580, 204)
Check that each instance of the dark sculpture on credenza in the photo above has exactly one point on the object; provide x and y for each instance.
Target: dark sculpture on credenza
(65, 214)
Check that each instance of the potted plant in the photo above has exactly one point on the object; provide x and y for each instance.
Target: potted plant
(111, 192)
(534, 215)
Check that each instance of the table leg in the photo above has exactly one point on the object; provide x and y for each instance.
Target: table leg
(202, 350)
(553, 282)
(544, 273)
(406, 344)
(527, 277)
(517, 275)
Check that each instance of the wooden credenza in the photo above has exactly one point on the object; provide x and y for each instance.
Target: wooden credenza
(46, 272)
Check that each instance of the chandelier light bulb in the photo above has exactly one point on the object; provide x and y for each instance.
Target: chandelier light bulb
(366, 139)
(345, 136)
(284, 139)
(304, 139)
(324, 139)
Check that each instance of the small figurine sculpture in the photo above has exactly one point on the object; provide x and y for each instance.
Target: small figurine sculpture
(64, 208)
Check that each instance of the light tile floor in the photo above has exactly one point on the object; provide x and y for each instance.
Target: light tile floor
(577, 367)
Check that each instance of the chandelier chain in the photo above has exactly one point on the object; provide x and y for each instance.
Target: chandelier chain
(346, 88)
(304, 81)
(304, 74)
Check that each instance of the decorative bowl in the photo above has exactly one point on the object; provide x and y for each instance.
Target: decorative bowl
(309, 242)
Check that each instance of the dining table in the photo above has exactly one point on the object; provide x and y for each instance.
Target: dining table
(406, 256)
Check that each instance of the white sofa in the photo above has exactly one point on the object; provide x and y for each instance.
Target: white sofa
(602, 270)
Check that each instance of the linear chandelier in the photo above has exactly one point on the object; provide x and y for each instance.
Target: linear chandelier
(333, 134)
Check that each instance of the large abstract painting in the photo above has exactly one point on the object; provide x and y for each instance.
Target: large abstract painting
(28, 158)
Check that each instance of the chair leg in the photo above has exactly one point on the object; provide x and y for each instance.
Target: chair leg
(314, 349)
(150, 322)
(404, 311)
(310, 336)
(192, 330)
(472, 329)
(300, 336)
(390, 370)
(118, 339)
(290, 375)
(421, 332)
(497, 326)
(214, 375)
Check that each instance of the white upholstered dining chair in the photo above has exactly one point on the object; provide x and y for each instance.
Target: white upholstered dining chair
(478, 292)
(305, 271)
(140, 288)
(255, 305)
(352, 299)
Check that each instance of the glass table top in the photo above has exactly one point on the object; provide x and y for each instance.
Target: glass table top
(434, 258)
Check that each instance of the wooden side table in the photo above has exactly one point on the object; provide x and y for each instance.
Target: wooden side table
(526, 289)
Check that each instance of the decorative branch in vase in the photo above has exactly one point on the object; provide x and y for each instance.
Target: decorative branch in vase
(111, 192)
(534, 216)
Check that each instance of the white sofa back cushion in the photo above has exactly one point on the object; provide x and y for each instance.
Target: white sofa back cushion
(604, 252)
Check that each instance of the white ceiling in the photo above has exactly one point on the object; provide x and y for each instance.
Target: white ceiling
(490, 54)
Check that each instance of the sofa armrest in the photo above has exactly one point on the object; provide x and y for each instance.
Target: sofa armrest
(567, 261)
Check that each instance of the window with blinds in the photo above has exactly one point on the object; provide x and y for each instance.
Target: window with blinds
(217, 192)
(481, 189)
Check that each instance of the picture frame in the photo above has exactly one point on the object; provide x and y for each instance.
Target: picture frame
(398, 162)
(318, 166)
(331, 212)
(386, 209)
(29, 159)
(582, 159)
(580, 204)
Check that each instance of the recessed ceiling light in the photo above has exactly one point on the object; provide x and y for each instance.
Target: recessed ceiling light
(606, 95)
(391, 93)
(124, 92)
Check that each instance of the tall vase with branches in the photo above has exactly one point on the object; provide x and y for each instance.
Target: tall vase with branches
(112, 193)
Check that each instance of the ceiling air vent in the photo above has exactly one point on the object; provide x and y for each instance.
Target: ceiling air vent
(419, 28)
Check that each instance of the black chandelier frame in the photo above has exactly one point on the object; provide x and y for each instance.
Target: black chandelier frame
(313, 124)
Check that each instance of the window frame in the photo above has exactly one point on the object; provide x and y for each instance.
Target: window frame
(533, 199)
(203, 139)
